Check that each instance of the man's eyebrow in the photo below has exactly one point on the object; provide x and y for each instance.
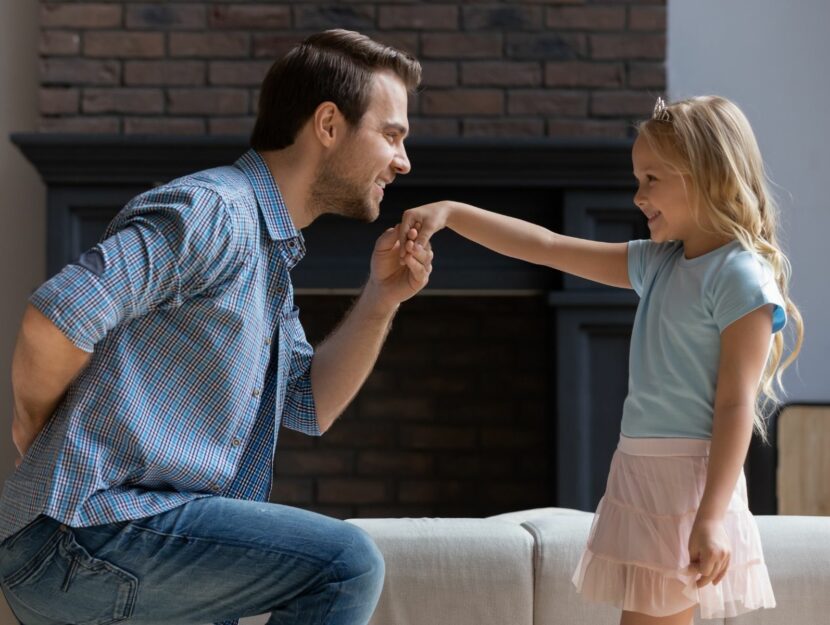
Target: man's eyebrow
(400, 128)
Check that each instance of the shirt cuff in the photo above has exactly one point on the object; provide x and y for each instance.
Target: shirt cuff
(300, 412)
(75, 301)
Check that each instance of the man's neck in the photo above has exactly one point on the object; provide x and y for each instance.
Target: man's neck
(293, 175)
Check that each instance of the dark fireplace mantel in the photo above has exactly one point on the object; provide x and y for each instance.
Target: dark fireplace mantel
(584, 188)
(581, 188)
(78, 159)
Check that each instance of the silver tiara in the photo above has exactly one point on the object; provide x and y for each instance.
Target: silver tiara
(661, 112)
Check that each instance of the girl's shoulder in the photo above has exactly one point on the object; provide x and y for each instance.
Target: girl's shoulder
(646, 258)
(741, 281)
(740, 265)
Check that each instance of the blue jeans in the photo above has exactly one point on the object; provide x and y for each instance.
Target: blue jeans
(210, 560)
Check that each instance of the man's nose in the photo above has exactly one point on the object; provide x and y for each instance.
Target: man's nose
(401, 161)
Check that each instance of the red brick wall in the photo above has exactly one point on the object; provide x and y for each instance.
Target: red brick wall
(452, 422)
(520, 68)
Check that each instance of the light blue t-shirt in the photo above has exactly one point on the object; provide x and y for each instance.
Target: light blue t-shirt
(685, 304)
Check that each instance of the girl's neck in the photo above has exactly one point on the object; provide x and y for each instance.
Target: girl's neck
(703, 243)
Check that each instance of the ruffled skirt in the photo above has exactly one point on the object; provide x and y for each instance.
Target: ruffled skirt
(637, 556)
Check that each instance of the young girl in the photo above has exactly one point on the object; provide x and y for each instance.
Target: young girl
(673, 530)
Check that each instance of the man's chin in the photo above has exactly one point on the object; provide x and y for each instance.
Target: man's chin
(369, 213)
(373, 213)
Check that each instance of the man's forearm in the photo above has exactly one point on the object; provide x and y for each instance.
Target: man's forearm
(44, 364)
(344, 360)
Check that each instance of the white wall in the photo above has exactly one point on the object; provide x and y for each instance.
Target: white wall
(22, 203)
(772, 58)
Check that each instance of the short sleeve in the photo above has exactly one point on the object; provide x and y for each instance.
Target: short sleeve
(165, 246)
(300, 412)
(744, 284)
(643, 254)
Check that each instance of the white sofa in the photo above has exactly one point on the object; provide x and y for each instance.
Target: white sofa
(515, 569)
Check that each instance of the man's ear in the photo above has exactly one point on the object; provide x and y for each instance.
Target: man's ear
(327, 123)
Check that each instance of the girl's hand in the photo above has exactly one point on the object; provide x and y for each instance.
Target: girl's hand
(709, 551)
(420, 223)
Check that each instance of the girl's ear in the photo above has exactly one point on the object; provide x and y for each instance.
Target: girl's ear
(327, 123)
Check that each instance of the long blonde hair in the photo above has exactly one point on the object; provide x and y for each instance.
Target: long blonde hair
(709, 140)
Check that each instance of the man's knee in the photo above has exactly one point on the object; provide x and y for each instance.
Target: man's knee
(362, 562)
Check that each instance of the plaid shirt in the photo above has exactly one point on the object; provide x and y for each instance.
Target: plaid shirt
(198, 355)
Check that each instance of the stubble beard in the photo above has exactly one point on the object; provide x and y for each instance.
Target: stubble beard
(335, 192)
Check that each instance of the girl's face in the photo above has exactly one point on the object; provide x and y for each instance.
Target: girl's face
(666, 199)
(663, 196)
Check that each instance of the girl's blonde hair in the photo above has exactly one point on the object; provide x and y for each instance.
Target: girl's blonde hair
(709, 140)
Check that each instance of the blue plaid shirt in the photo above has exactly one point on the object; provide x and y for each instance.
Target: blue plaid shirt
(198, 355)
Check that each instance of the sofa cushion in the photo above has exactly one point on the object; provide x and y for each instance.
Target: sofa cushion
(523, 516)
(559, 540)
(453, 572)
(797, 552)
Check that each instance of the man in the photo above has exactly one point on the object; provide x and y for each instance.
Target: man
(151, 376)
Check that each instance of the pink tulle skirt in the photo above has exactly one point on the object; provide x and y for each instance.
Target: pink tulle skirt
(637, 556)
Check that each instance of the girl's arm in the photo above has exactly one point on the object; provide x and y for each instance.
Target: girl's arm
(601, 262)
(744, 347)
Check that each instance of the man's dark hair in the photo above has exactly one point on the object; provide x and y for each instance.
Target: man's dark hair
(331, 66)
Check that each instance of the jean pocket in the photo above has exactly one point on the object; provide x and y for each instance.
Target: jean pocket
(62, 581)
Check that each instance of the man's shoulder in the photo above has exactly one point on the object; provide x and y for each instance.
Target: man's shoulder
(228, 183)
(217, 197)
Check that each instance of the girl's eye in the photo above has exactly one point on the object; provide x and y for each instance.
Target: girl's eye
(651, 178)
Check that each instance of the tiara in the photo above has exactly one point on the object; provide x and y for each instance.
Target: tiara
(661, 112)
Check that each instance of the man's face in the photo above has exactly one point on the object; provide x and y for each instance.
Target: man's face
(352, 179)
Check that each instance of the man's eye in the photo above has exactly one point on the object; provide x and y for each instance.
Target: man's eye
(651, 178)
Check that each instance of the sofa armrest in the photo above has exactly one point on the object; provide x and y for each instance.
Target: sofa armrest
(453, 572)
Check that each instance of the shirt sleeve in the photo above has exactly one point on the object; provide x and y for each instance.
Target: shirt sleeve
(164, 247)
(645, 257)
(743, 284)
(636, 264)
(300, 412)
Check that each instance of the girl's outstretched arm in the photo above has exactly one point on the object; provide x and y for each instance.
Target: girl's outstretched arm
(601, 262)
(744, 347)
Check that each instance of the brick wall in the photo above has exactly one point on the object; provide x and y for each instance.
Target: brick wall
(452, 422)
(520, 68)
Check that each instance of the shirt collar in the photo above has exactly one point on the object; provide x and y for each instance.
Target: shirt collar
(268, 196)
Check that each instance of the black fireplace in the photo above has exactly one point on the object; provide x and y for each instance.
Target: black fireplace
(529, 367)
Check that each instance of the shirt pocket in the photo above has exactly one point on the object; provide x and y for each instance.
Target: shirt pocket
(62, 581)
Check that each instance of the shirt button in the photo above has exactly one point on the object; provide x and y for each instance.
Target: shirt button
(280, 290)
(267, 341)
(291, 244)
(255, 392)
(236, 442)
(214, 487)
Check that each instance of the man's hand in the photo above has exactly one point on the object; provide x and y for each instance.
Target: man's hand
(395, 277)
